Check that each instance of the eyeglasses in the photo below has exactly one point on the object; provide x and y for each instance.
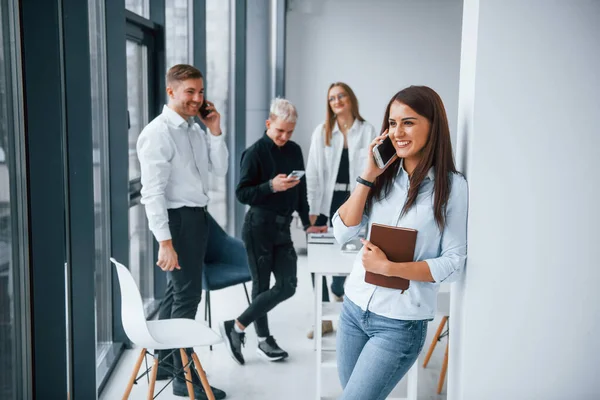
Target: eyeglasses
(340, 97)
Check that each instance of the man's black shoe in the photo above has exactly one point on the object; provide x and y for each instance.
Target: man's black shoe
(180, 389)
(233, 340)
(269, 350)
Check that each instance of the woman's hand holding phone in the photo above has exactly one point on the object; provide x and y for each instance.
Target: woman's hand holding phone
(372, 171)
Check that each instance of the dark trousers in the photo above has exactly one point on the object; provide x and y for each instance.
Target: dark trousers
(337, 282)
(189, 232)
(270, 251)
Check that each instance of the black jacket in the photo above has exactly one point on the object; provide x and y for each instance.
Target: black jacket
(260, 163)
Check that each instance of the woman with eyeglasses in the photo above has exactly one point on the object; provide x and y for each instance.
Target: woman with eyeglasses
(337, 153)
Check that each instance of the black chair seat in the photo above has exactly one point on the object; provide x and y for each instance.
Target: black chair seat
(219, 276)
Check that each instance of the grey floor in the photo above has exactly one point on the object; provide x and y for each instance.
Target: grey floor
(292, 379)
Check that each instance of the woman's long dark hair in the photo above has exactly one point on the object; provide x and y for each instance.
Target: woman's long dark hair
(437, 153)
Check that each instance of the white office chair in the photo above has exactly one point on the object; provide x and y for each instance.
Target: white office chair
(177, 333)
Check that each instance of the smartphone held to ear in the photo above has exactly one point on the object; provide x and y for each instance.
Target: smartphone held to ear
(384, 153)
(296, 174)
(204, 111)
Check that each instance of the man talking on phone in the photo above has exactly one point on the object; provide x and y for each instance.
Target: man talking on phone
(270, 185)
(176, 157)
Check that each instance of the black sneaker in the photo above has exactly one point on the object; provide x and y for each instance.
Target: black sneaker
(269, 350)
(233, 340)
(180, 389)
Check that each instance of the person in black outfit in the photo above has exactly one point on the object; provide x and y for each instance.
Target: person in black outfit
(273, 197)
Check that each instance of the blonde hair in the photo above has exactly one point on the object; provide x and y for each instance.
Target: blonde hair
(283, 109)
(330, 120)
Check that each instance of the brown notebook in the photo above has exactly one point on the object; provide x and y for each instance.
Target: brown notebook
(398, 244)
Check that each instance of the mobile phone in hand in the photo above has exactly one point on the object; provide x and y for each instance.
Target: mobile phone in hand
(384, 152)
(204, 112)
(296, 174)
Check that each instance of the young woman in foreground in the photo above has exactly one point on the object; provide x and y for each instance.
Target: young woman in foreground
(382, 330)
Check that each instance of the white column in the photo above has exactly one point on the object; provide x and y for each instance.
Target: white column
(258, 60)
(526, 317)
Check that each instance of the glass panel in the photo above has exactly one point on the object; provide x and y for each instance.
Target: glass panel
(177, 31)
(140, 7)
(98, 82)
(11, 271)
(217, 89)
(137, 100)
(140, 239)
(141, 262)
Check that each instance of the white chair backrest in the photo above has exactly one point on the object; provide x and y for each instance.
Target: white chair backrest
(132, 309)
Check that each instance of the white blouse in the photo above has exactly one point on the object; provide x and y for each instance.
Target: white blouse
(324, 161)
(444, 251)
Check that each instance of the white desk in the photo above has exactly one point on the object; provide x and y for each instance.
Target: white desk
(327, 259)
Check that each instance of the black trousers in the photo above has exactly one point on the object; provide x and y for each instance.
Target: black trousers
(189, 232)
(270, 251)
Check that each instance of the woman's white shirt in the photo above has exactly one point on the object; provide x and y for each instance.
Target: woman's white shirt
(324, 162)
(445, 252)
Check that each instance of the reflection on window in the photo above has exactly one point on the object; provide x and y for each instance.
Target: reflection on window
(217, 89)
(140, 239)
(8, 367)
(177, 32)
(140, 7)
(141, 253)
(137, 100)
(103, 276)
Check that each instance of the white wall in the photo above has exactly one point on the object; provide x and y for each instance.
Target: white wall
(377, 47)
(530, 302)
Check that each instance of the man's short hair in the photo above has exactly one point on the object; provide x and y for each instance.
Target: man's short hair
(182, 72)
(283, 109)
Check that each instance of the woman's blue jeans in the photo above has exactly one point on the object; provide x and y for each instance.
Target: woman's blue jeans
(375, 352)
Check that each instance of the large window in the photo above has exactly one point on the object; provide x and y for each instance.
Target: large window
(141, 92)
(137, 100)
(14, 381)
(7, 328)
(217, 90)
(103, 276)
(178, 32)
(140, 7)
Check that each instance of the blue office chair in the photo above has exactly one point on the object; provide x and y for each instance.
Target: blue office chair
(225, 264)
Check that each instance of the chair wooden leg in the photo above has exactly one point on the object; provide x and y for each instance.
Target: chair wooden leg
(435, 340)
(153, 378)
(203, 379)
(136, 370)
(444, 368)
(188, 373)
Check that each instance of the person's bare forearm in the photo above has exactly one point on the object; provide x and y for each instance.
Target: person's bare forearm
(352, 210)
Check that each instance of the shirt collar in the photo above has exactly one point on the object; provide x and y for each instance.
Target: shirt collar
(336, 127)
(430, 173)
(174, 118)
(268, 141)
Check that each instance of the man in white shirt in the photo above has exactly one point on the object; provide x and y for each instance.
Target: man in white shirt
(176, 157)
